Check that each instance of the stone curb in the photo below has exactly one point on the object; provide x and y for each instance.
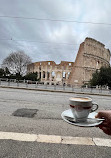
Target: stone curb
(58, 91)
(55, 139)
(49, 138)
(77, 140)
(18, 136)
(102, 142)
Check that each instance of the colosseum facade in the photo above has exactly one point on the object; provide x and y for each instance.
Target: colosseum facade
(51, 73)
(92, 55)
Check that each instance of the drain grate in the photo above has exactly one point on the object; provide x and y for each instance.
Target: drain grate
(25, 112)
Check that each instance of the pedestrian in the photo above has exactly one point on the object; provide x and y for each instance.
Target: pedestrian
(106, 125)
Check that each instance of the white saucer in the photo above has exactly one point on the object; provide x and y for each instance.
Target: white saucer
(67, 114)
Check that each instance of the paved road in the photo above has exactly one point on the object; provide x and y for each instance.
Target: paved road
(16, 149)
(47, 121)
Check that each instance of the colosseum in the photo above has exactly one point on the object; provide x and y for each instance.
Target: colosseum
(92, 55)
(51, 73)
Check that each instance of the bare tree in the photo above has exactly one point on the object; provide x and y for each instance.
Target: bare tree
(17, 62)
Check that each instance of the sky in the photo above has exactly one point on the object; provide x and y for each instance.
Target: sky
(52, 30)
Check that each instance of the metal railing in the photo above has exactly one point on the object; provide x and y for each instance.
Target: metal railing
(37, 85)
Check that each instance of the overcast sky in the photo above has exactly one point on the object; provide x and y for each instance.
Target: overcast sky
(42, 38)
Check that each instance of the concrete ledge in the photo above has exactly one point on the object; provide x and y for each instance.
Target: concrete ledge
(58, 91)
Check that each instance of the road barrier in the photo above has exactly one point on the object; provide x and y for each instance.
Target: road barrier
(37, 85)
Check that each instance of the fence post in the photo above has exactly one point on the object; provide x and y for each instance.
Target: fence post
(100, 89)
(36, 84)
(17, 83)
(54, 87)
(63, 87)
(91, 89)
(45, 86)
(72, 88)
(81, 89)
(27, 84)
(9, 82)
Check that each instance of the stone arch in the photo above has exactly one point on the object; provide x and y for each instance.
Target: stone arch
(48, 75)
(53, 74)
(58, 76)
(43, 74)
(64, 75)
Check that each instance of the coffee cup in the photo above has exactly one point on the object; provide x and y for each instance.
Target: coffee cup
(81, 107)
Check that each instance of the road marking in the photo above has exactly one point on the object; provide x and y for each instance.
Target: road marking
(49, 138)
(18, 136)
(55, 139)
(77, 140)
(102, 142)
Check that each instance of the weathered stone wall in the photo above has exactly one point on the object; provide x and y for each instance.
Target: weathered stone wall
(91, 56)
(51, 73)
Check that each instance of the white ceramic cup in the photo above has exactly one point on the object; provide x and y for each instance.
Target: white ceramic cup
(81, 107)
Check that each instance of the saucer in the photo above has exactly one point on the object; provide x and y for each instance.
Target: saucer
(68, 117)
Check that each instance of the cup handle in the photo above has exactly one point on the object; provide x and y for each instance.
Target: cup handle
(94, 109)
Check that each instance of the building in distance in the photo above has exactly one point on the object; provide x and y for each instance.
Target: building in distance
(91, 56)
(51, 73)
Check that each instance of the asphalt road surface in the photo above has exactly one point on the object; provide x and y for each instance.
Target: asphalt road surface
(47, 121)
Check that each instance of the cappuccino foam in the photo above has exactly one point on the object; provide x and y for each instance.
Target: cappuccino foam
(80, 99)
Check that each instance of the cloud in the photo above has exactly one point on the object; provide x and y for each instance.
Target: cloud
(52, 40)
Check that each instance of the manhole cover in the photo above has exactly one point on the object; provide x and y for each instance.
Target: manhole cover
(25, 112)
